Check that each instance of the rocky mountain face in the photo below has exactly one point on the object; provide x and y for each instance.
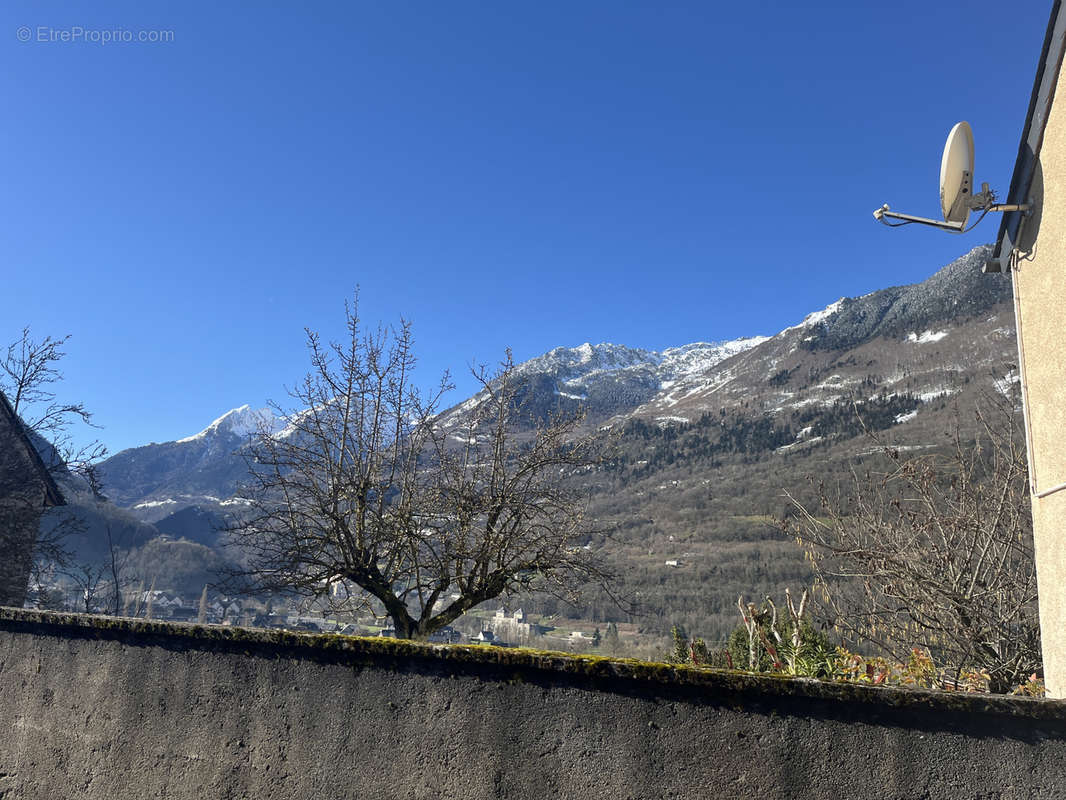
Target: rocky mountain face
(923, 339)
(708, 466)
(955, 293)
(605, 380)
(928, 339)
(157, 480)
(86, 525)
(710, 433)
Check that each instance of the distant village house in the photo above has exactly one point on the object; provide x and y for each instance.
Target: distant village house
(513, 627)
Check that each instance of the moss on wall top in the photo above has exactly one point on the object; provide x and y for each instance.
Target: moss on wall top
(510, 664)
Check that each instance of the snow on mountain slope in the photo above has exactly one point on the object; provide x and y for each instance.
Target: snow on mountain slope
(698, 358)
(576, 366)
(241, 422)
(606, 379)
(923, 340)
(816, 317)
(865, 343)
(684, 399)
(155, 479)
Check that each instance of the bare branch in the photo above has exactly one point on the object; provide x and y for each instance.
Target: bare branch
(936, 552)
(372, 499)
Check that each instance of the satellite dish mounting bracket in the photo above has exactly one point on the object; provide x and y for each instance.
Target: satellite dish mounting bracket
(956, 196)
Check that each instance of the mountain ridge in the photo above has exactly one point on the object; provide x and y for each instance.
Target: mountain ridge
(612, 384)
(709, 436)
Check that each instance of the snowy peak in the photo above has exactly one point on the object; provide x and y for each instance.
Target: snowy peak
(903, 341)
(816, 317)
(918, 314)
(607, 379)
(957, 291)
(699, 357)
(587, 358)
(240, 422)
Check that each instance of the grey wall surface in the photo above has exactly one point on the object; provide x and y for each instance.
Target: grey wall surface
(26, 490)
(22, 496)
(93, 707)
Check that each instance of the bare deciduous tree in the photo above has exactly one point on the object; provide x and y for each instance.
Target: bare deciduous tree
(29, 371)
(368, 498)
(935, 553)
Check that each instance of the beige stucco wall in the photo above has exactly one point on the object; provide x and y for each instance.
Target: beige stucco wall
(1040, 286)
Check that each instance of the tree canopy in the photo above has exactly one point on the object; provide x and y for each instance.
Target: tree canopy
(371, 497)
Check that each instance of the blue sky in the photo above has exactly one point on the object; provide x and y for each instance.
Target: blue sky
(526, 175)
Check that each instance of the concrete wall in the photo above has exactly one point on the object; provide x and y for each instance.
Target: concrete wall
(97, 708)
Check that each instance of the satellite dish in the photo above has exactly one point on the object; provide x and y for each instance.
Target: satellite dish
(957, 198)
(956, 174)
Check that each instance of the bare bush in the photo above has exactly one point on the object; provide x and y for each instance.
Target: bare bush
(29, 369)
(936, 552)
(29, 373)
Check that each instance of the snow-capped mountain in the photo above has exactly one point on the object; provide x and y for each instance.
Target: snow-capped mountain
(925, 341)
(578, 367)
(606, 379)
(928, 339)
(709, 437)
(204, 469)
(240, 422)
(157, 480)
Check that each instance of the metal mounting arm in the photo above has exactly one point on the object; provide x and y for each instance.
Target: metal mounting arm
(883, 213)
(984, 201)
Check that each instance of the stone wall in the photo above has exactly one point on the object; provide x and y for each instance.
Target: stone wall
(23, 497)
(19, 521)
(94, 707)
